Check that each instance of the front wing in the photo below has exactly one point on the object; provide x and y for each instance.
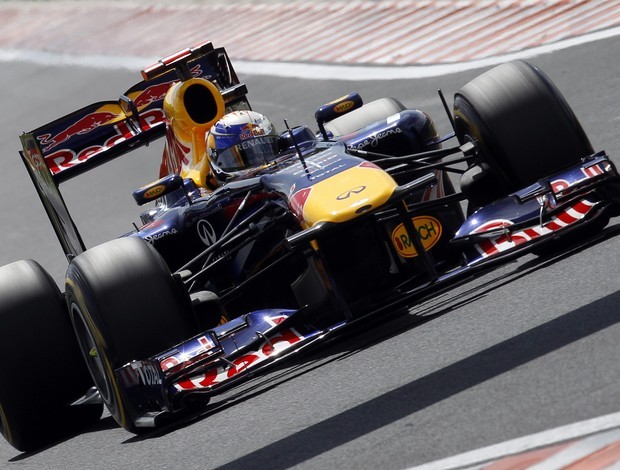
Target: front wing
(214, 362)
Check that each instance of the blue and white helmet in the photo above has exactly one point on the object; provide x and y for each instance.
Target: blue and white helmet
(240, 141)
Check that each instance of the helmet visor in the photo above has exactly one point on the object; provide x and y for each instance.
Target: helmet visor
(248, 154)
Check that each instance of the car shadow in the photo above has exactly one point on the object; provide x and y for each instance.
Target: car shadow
(434, 388)
(469, 372)
(428, 390)
(104, 424)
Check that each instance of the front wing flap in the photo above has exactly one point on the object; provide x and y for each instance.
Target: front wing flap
(213, 362)
(547, 209)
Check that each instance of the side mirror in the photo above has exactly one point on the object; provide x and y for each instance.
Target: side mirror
(333, 109)
(158, 188)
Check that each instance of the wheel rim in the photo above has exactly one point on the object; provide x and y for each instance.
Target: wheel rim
(92, 355)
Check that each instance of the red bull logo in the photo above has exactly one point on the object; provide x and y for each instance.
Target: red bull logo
(152, 94)
(80, 127)
(251, 130)
(158, 91)
(65, 158)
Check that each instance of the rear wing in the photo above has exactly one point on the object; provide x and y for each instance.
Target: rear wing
(102, 131)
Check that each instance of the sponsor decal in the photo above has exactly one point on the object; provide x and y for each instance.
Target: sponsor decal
(343, 107)
(147, 373)
(592, 171)
(350, 192)
(206, 232)
(565, 187)
(373, 139)
(251, 130)
(319, 165)
(203, 344)
(140, 373)
(152, 94)
(327, 172)
(429, 229)
(67, 158)
(370, 165)
(80, 127)
(248, 144)
(510, 240)
(157, 92)
(276, 344)
(558, 186)
(176, 155)
(298, 201)
(154, 192)
(153, 238)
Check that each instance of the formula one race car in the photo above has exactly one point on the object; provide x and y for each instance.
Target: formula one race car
(246, 256)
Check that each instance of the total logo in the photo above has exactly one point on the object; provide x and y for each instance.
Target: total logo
(429, 230)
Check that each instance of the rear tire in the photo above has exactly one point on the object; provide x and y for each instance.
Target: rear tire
(41, 368)
(525, 127)
(124, 305)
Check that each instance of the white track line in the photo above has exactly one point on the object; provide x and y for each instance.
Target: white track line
(478, 457)
(307, 70)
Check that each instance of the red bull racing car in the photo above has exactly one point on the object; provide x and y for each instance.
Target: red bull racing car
(235, 268)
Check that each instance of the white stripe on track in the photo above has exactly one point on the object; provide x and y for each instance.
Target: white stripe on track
(476, 458)
(308, 70)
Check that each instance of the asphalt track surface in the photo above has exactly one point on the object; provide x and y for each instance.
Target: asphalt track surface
(526, 348)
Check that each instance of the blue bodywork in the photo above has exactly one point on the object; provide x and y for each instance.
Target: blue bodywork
(283, 286)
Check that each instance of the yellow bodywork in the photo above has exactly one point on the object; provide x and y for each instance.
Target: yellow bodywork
(190, 118)
(347, 195)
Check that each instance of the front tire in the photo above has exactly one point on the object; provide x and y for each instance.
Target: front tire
(124, 305)
(41, 368)
(525, 128)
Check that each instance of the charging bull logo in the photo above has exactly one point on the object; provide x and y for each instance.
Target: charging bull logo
(80, 127)
(157, 92)
(152, 94)
(63, 158)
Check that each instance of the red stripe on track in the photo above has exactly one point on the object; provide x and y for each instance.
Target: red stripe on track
(358, 32)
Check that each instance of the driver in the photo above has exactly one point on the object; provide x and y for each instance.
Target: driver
(240, 144)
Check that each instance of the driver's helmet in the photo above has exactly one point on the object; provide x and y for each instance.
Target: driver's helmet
(240, 141)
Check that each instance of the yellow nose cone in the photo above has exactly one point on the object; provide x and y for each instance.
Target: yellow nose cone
(348, 194)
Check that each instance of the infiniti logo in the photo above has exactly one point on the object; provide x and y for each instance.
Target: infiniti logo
(350, 192)
(206, 232)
